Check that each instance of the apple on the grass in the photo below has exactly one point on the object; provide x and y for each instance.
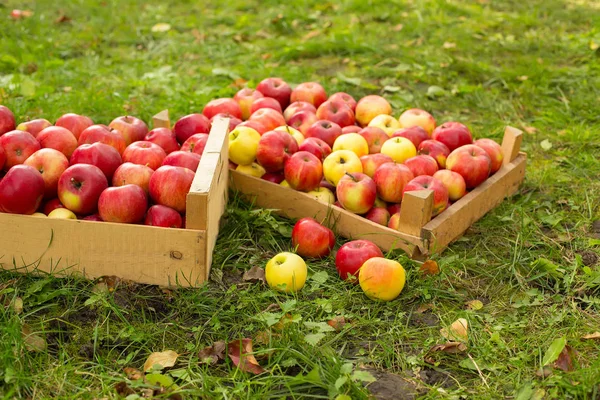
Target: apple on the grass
(311, 92)
(170, 185)
(338, 163)
(256, 125)
(453, 135)
(325, 130)
(385, 122)
(316, 147)
(62, 213)
(353, 129)
(286, 272)
(415, 134)
(276, 88)
(222, 105)
(18, 146)
(438, 150)
(183, 159)
(356, 192)
(379, 215)
(103, 134)
(7, 120)
(268, 117)
(322, 194)
(123, 204)
(131, 128)
(195, 143)
(245, 97)
(243, 144)
(190, 124)
(164, 137)
(390, 180)
(296, 134)
(382, 279)
(394, 222)
(353, 142)
(369, 107)
(58, 138)
(375, 138)
(311, 239)
(454, 182)
(133, 174)
(440, 192)
(417, 117)
(75, 123)
(34, 126)
(336, 111)
(371, 162)
(345, 98)
(297, 107)
(274, 149)
(80, 186)
(163, 216)
(394, 208)
(352, 255)
(265, 102)
(101, 155)
(472, 162)
(21, 190)
(256, 170)
(493, 150)
(422, 165)
(399, 148)
(51, 205)
(51, 164)
(303, 120)
(303, 171)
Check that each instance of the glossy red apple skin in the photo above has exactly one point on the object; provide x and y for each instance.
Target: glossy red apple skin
(80, 186)
(454, 182)
(311, 239)
(415, 134)
(303, 171)
(265, 102)
(268, 117)
(50, 164)
(371, 162)
(344, 97)
(132, 129)
(352, 255)
(2, 158)
(351, 129)
(275, 177)
(170, 185)
(123, 204)
(356, 192)
(336, 111)
(472, 162)
(379, 215)
(297, 107)
(52, 205)
(135, 174)
(74, 123)
(163, 216)
(325, 130)
(438, 150)
(256, 125)
(391, 179)
(190, 124)
(303, 120)
(7, 120)
(440, 192)
(144, 153)
(21, 190)
(494, 150)
(375, 138)
(18, 146)
(316, 146)
(195, 143)
(453, 135)
(328, 185)
(311, 92)
(34, 126)
(102, 134)
(222, 105)
(101, 155)
(164, 137)
(58, 138)
(276, 88)
(274, 149)
(393, 208)
(245, 97)
(422, 165)
(93, 217)
(183, 159)
(233, 121)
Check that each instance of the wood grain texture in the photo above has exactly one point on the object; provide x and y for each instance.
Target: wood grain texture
(161, 120)
(511, 144)
(416, 211)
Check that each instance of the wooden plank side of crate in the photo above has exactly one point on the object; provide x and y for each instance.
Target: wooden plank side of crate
(145, 254)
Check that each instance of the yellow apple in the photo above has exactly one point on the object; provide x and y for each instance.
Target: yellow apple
(353, 142)
(38, 214)
(381, 279)
(338, 163)
(253, 169)
(62, 213)
(323, 194)
(417, 117)
(284, 183)
(296, 134)
(286, 272)
(243, 143)
(399, 148)
(387, 123)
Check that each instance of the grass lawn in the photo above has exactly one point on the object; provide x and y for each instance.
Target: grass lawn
(533, 263)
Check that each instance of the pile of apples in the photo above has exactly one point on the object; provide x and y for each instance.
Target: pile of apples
(122, 172)
(353, 154)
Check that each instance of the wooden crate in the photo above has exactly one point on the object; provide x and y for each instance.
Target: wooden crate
(145, 254)
(419, 235)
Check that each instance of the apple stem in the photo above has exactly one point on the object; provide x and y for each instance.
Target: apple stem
(351, 176)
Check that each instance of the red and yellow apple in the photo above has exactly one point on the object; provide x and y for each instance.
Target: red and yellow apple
(268, 117)
(336, 111)
(371, 162)
(375, 138)
(7, 120)
(390, 180)
(50, 164)
(344, 97)
(144, 153)
(183, 159)
(256, 170)
(369, 107)
(415, 134)
(385, 122)
(34, 126)
(133, 174)
(493, 150)
(130, 128)
(80, 186)
(123, 204)
(310, 92)
(303, 171)
(245, 97)
(470, 161)
(379, 215)
(454, 182)
(163, 216)
(417, 117)
(57, 138)
(438, 150)
(74, 123)
(190, 124)
(440, 192)
(422, 165)
(276, 88)
(338, 163)
(222, 105)
(311, 239)
(382, 279)
(356, 192)
(103, 134)
(315, 146)
(164, 137)
(18, 146)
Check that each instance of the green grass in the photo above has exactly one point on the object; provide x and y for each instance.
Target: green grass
(532, 64)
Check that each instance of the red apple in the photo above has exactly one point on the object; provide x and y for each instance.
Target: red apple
(51, 164)
(371, 162)
(80, 186)
(223, 105)
(379, 215)
(53, 204)
(21, 191)
(303, 171)
(327, 185)
(297, 107)
(136, 174)
(265, 102)
(144, 153)
(183, 159)
(195, 143)
(2, 158)
(164, 217)
(99, 154)
(417, 117)
(375, 138)
(390, 179)
(18, 146)
(268, 117)
(189, 125)
(93, 217)
(103, 134)
(303, 120)
(170, 185)
(233, 121)
(325, 130)
(123, 204)
(336, 111)
(311, 92)
(164, 137)
(454, 182)
(415, 134)
(440, 193)
(34, 126)
(470, 161)
(256, 125)
(356, 192)
(369, 107)
(274, 150)
(394, 208)
(276, 88)
(422, 165)
(352, 255)
(74, 123)
(311, 239)
(316, 147)
(132, 129)
(453, 135)
(344, 97)
(58, 138)
(352, 129)
(7, 121)
(275, 177)
(394, 222)
(438, 150)
(493, 150)
(245, 97)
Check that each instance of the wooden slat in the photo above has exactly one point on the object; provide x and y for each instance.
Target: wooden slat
(416, 210)
(511, 144)
(161, 120)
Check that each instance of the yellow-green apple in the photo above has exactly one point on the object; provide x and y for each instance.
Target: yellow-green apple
(417, 117)
(303, 120)
(453, 135)
(379, 215)
(268, 117)
(233, 121)
(51, 164)
(386, 122)
(399, 148)
(123, 204)
(493, 150)
(144, 153)
(297, 107)
(394, 208)
(133, 174)
(190, 124)
(80, 186)
(62, 213)
(356, 192)
(164, 137)
(440, 193)
(195, 143)
(18, 146)
(170, 185)
(284, 184)
(183, 159)
(336, 111)
(422, 165)
(325, 130)
(7, 120)
(438, 150)
(274, 177)
(369, 107)
(51, 205)
(390, 179)
(375, 138)
(311, 92)
(415, 134)
(472, 162)
(352, 255)
(256, 170)
(338, 163)
(315, 146)
(344, 97)
(21, 190)
(382, 279)
(243, 143)
(131, 128)
(274, 150)
(39, 215)
(2, 158)
(303, 171)
(352, 129)
(394, 221)
(353, 142)
(245, 97)
(286, 272)
(34, 126)
(371, 162)
(311, 239)
(163, 216)
(256, 125)
(265, 102)
(102, 134)
(222, 105)
(323, 194)
(276, 88)
(75, 123)
(454, 182)
(57, 138)
(292, 131)
(380, 203)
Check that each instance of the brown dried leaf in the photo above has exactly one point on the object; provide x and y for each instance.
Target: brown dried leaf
(311, 34)
(239, 83)
(240, 353)
(27, 13)
(530, 129)
(430, 267)
(448, 347)
(449, 45)
(263, 337)
(266, 56)
(337, 323)
(123, 389)
(474, 305)
(133, 373)
(254, 274)
(212, 354)
(32, 341)
(595, 335)
(424, 307)
(62, 19)
(164, 358)
(544, 372)
(398, 28)
(564, 360)
(273, 307)
(199, 37)
(457, 331)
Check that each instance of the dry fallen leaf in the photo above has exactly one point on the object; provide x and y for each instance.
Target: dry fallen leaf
(133, 373)
(311, 35)
(212, 354)
(457, 331)
(254, 274)
(161, 27)
(18, 305)
(424, 307)
(449, 45)
(239, 351)
(239, 83)
(262, 337)
(430, 267)
(595, 335)
(474, 305)
(448, 347)
(337, 323)
(164, 358)
(398, 28)
(32, 341)
(523, 78)
(564, 360)
(62, 19)
(123, 389)
(530, 129)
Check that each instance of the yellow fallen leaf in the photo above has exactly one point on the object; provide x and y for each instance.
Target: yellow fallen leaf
(165, 359)
(474, 305)
(457, 331)
(449, 45)
(18, 305)
(161, 27)
(595, 335)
